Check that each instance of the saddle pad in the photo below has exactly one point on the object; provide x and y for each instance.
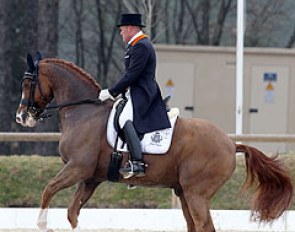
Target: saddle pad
(157, 142)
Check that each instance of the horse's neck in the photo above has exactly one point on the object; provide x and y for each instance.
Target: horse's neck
(71, 88)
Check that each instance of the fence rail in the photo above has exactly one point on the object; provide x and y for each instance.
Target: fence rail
(54, 137)
(29, 137)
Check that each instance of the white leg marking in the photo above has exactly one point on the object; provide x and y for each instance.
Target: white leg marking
(42, 220)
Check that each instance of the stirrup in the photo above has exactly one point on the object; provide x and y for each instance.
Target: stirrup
(131, 173)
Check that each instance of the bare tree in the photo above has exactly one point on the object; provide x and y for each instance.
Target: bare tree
(207, 28)
(291, 41)
(17, 23)
(224, 9)
(166, 22)
(106, 38)
(47, 39)
(47, 27)
(5, 72)
(262, 21)
(178, 24)
(78, 6)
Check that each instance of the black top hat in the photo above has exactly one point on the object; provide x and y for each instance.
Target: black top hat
(131, 20)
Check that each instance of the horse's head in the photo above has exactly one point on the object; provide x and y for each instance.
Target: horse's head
(35, 94)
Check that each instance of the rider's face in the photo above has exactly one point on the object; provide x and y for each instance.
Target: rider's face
(126, 33)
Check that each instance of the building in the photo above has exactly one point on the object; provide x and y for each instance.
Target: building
(202, 82)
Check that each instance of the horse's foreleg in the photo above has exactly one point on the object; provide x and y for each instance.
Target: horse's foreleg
(67, 177)
(83, 192)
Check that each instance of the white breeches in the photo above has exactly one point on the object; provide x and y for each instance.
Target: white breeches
(127, 113)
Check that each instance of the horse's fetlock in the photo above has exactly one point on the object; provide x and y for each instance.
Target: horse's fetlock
(42, 225)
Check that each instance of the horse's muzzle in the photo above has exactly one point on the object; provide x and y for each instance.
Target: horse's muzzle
(25, 119)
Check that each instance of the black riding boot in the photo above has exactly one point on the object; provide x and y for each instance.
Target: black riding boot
(136, 166)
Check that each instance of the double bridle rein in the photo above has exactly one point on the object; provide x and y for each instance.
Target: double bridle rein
(37, 111)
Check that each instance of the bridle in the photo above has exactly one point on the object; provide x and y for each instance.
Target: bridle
(34, 109)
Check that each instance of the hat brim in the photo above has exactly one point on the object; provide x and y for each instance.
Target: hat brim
(129, 24)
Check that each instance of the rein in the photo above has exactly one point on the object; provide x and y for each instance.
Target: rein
(56, 108)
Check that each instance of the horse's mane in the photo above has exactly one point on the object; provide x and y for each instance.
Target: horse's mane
(74, 67)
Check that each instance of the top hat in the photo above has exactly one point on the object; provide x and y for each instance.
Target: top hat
(131, 20)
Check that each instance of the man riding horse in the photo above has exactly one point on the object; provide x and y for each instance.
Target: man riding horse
(145, 110)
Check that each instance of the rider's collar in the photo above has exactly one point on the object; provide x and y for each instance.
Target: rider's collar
(134, 37)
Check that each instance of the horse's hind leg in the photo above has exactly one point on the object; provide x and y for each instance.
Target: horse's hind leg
(67, 177)
(83, 192)
(186, 213)
(199, 210)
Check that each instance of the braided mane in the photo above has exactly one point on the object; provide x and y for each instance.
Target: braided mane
(74, 67)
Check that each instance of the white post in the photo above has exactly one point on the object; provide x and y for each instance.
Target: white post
(239, 66)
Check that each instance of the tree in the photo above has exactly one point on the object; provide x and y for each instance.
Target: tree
(291, 41)
(17, 24)
(207, 26)
(107, 38)
(263, 21)
(5, 71)
(25, 27)
(47, 40)
(78, 6)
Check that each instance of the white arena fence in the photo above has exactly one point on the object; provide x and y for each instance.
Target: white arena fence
(139, 220)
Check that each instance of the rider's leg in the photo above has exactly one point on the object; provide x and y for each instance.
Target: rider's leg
(136, 165)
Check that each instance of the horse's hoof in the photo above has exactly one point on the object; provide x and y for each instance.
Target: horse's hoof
(77, 229)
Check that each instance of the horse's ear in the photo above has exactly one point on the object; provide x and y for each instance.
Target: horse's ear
(38, 57)
(30, 63)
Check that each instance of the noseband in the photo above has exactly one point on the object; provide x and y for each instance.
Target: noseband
(33, 108)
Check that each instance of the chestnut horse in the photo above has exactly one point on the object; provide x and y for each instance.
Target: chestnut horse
(201, 158)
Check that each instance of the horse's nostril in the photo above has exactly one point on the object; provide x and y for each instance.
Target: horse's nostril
(18, 119)
(21, 117)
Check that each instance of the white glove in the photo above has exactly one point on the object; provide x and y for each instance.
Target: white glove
(105, 95)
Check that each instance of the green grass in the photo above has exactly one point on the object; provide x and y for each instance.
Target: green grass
(22, 179)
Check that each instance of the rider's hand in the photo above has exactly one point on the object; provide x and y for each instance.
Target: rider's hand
(105, 95)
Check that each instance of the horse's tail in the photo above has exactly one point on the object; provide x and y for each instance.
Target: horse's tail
(273, 191)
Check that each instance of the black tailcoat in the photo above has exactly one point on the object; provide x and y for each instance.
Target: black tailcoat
(149, 111)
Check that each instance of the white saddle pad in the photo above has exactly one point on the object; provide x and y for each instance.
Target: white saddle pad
(157, 142)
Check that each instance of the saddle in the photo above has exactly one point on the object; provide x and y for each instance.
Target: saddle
(157, 142)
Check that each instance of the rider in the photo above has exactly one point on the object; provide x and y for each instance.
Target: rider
(145, 110)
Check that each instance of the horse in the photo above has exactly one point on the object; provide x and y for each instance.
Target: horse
(199, 162)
